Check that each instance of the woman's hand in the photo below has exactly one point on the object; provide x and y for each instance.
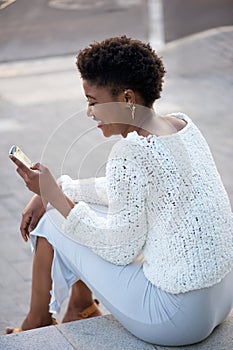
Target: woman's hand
(31, 215)
(42, 183)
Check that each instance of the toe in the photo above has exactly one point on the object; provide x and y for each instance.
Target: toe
(8, 330)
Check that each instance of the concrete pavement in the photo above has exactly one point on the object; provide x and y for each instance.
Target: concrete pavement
(59, 27)
(182, 18)
(43, 110)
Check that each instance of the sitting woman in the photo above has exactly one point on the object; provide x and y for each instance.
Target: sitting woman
(153, 239)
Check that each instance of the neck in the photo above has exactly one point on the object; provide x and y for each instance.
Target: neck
(143, 124)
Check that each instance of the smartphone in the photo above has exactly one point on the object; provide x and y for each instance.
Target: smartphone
(18, 153)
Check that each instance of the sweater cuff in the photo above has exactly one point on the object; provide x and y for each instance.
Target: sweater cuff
(70, 224)
(63, 179)
(68, 187)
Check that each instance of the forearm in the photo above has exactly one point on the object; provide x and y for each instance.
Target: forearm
(60, 201)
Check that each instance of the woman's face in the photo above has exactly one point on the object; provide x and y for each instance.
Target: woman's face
(113, 118)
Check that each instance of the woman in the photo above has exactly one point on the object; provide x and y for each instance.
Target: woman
(153, 239)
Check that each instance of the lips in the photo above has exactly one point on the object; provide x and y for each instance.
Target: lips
(99, 124)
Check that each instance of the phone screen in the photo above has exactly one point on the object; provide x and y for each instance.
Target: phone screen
(16, 151)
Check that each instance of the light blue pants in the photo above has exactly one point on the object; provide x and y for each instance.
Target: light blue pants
(143, 309)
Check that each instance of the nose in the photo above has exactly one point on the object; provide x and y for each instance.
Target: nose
(90, 112)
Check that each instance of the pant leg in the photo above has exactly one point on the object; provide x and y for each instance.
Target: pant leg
(146, 311)
(124, 290)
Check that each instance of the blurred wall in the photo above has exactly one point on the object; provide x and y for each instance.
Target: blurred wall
(185, 17)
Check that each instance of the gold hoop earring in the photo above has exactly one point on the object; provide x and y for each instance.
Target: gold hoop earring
(132, 107)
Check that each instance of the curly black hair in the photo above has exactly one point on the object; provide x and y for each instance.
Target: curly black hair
(123, 63)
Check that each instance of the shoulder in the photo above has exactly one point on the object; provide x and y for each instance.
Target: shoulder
(176, 123)
(130, 147)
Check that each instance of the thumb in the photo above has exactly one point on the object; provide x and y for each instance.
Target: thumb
(37, 166)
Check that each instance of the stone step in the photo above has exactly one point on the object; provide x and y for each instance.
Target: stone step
(104, 333)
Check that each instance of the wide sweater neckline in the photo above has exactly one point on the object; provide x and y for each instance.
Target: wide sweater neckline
(178, 115)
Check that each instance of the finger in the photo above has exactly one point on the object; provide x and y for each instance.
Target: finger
(19, 164)
(25, 222)
(24, 232)
(33, 224)
(22, 174)
(27, 177)
(37, 166)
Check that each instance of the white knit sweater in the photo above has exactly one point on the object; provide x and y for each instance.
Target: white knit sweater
(166, 201)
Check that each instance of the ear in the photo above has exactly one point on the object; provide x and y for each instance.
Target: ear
(130, 96)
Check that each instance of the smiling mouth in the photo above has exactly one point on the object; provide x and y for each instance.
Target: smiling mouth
(100, 125)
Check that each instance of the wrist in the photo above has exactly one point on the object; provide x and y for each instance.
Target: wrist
(51, 195)
(60, 202)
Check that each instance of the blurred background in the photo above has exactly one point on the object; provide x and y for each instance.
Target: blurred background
(42, 107)
(60, 27)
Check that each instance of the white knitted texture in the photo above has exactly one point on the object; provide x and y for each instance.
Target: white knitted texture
(91, 190)
(166, 201)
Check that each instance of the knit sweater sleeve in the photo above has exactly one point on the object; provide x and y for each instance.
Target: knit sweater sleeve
(92, 190)
(120, 236)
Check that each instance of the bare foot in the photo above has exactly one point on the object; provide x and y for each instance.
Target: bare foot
(75, 313)
(9, 330)
(28, 324)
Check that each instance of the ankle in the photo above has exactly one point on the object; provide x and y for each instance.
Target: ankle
(80, 302)
(79, 306)
(80, 313)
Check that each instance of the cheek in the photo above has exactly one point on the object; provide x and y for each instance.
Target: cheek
(114, 129)
(109, 130)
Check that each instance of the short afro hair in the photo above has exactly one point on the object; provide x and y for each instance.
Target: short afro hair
(123, 63)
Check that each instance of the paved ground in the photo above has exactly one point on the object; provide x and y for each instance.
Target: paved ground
(43, 110)
(182, 18)
(58, 27)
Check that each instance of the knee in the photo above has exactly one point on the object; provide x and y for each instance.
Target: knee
(43, 245)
